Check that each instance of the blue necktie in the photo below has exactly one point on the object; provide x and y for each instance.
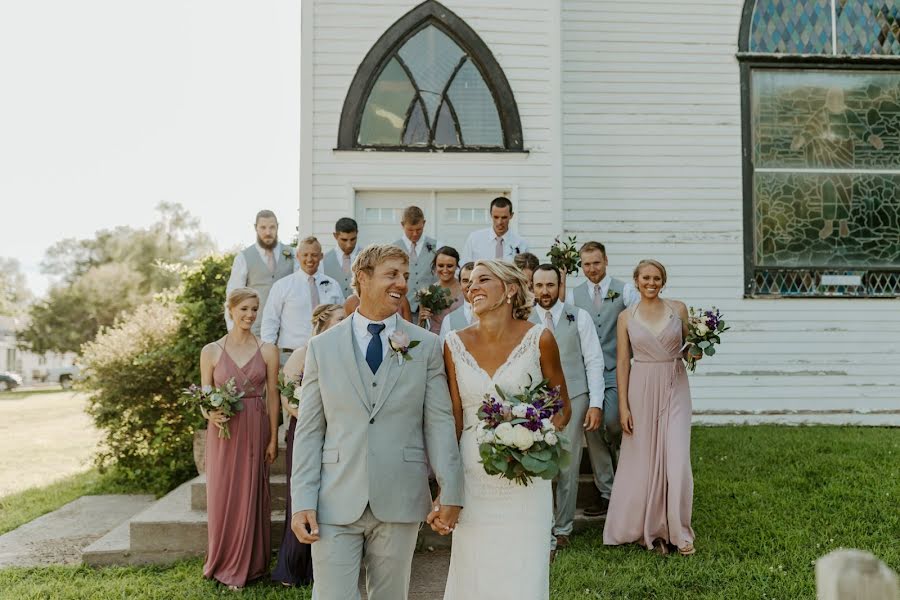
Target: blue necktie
(375, 353)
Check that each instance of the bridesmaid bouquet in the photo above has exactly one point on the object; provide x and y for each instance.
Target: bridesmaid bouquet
(564, 255)
(290, 388)
(516, 439)
(435, 298)
(704, 329)
(226, 399)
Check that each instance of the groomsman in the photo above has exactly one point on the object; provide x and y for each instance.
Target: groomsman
(527, 263)
(582, 363)
(287, 317)
(496, 241)
(603, 298)
(337, 261)
(420, 249)
(462, 316)
(260, 265)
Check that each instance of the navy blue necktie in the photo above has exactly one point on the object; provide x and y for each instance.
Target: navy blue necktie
(375, 352)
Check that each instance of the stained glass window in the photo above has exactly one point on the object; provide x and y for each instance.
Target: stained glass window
(824, 148)
(431, 94)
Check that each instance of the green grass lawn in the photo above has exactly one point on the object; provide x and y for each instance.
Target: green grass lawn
(768, 502)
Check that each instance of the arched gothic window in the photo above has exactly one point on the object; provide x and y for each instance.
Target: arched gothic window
(820, 83)
(430, 83)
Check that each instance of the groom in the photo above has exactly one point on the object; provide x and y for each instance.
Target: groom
(374, 404)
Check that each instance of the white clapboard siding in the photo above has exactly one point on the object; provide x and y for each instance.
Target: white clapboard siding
(524, 38)
(652, 167)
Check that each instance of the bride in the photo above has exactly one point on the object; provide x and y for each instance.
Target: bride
(501, 543)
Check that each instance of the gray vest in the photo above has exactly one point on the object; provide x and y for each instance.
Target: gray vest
(604, 319)
(371, 381)
(261, 279)
(334, 269)
(457, 319)
(569, 342)
(420, 273)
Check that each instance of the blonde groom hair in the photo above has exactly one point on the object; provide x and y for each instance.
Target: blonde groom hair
(371, 257)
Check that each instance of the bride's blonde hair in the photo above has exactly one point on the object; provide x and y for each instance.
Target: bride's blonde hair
(523, 300)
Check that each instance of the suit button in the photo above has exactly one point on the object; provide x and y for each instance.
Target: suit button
(371, 421)
(374, 384)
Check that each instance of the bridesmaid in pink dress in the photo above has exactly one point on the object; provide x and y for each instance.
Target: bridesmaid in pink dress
(444, 266)
(237, 469)
(653, 491)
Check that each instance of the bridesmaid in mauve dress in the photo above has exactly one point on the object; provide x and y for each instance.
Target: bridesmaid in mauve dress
(237, 469)
(444, 266)
(653, 490)
(294, 566)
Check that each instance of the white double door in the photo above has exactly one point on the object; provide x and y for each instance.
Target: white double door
(450, 216)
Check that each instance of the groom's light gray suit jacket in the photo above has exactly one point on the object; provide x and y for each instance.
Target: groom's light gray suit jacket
(361, 439)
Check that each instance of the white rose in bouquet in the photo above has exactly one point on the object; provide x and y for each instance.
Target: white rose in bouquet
(538, 436)
(297, 392)
(523, 440)
(702, 329)
(547, 425)
(504, 434)
(519, 411)
(551, 438)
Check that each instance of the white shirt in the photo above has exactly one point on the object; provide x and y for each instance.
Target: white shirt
(590, 348)
(445, 324)
(238, 277)
(629, 293)
(482, 244)
(287, 316)
(363, 337)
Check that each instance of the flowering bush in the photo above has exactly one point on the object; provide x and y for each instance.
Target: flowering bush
(704, 329)
(516, 438)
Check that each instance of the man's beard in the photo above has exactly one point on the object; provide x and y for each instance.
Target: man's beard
(266, 245)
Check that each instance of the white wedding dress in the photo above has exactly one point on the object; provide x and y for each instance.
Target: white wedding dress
(501, 544)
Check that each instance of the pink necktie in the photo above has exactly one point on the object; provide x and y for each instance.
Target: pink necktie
(313, 292)
(548, 321)
(598, 298)
(270, 260)
(498, 251)
(346, 265)
(413, 255)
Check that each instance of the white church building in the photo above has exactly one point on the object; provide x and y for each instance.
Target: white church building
(752, 147)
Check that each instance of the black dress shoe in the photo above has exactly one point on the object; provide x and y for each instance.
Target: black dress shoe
(597, 510)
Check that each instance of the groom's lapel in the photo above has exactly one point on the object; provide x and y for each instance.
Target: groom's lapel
(349, 342)
(393, 370)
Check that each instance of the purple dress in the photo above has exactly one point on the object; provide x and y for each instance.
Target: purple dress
(237, 481)
(294, 557)
(653, 491)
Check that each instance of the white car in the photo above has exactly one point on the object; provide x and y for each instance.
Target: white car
(9, 381)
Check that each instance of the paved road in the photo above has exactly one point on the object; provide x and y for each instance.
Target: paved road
(43, 437)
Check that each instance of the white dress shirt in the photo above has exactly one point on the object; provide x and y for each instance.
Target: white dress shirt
(363, 337)
(590, 348)
(445, 324)
(287, 316)
(482, 244)
(630, 295)
(238, 277)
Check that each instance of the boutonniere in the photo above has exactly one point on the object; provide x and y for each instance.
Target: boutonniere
(612, 295)
(400, 345)
(516, 248)
(287, 252)
(570, 317)
(429, 246)
(324, 283)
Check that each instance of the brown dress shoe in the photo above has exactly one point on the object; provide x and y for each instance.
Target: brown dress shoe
(597, 510)
(562, 541)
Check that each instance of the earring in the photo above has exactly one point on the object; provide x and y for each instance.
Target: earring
(509, 299)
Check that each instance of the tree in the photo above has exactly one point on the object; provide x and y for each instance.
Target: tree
(14, 293)
(108, 275)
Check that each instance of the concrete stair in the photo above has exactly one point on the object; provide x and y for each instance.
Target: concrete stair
(175, 528)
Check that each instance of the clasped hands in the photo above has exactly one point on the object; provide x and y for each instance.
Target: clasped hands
(443, 517)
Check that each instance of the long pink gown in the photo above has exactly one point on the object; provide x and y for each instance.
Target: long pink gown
(237, 481)
(653, 490)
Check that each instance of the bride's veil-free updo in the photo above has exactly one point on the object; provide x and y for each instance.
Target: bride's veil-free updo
(523, 301)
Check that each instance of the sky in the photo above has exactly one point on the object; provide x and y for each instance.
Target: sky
(108, 107)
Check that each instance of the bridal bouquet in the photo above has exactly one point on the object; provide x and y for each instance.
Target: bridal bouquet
(226, 399)
(704, 329)
(564, 255)
(435, 298)
(290, 388)
(516, 438)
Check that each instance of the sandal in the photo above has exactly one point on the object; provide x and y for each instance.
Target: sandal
(687, 550)
(660, 547)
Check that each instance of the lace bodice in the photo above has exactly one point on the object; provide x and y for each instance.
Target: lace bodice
(474, 382)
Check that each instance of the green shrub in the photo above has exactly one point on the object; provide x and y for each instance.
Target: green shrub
(137, 369)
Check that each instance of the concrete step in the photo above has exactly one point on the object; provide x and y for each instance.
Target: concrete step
(277, 492)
